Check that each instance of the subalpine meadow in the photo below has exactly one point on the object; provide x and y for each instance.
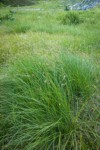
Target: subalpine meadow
(49, 77)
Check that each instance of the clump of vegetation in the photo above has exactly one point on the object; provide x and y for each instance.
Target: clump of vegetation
(21, 28)
(8, 16)
(67, 8)
(45, 105)
(71, 17)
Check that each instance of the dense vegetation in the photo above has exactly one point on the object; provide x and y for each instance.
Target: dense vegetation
(49, 78)
(18, 2)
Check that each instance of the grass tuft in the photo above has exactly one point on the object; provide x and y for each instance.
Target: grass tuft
(71, 18)
(46, 104)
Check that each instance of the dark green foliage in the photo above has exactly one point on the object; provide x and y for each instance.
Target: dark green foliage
(1, 4)
(18, 2)
(67, 8)
(8, 16)
(71, 18)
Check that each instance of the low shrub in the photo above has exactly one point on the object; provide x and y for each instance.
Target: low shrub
(45, 105)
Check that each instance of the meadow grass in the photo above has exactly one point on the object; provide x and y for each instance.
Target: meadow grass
(46, 104)
(49, 78)
(47, 23)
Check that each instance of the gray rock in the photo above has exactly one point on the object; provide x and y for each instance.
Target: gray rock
(84, 5)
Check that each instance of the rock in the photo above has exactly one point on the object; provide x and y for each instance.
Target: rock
(84, 5)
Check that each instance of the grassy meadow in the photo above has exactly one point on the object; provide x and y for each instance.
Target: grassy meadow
(49, 78)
